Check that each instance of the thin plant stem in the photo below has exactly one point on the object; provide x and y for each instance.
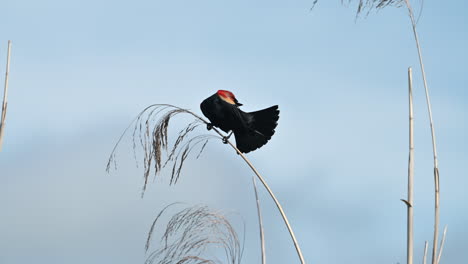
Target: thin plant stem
(260, 221)
(278, 205)
(442, 242)
(5, 95)
(426, 244)
(434, 147)
(270, 192)
(410, 170)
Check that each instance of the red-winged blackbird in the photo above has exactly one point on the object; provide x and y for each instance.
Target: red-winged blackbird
(252, 130)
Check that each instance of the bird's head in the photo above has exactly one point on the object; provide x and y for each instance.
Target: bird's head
(228, 97)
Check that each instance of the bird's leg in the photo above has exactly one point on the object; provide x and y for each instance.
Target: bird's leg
(225, 139)
(209, 126)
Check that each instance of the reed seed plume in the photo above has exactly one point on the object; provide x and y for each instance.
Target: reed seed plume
(370, 4)
(189, 236)
(150, 133)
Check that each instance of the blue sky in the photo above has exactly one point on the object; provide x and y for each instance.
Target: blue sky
(81, 70)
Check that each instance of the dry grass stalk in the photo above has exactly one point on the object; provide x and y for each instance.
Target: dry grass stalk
(409, 250)
(278, 205)
(189, 235)
(426, 244)
(260, 221)
(434, 146)
(377, 4)
(409, 201)
(442, 243)
(5, 96)
(270, 192)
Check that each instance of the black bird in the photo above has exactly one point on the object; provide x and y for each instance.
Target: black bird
(251, 130)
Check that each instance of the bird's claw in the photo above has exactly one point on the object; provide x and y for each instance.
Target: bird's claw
(225, 139)
(209, 126)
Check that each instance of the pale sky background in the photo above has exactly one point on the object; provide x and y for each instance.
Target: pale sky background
(81, 70)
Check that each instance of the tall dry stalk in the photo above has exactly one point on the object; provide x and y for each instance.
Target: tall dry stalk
(425, 252)
(442, 243)
(376, 4)
(154, 140)
(260, 221)
(278, 205)
(5, 96)
(434, 146)
(409, 201)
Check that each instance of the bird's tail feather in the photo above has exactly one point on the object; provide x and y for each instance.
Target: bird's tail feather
(262, 126)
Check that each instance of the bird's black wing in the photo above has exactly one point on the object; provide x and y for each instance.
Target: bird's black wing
(237, 118)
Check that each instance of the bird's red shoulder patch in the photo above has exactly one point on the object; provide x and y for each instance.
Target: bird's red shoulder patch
(228, 97)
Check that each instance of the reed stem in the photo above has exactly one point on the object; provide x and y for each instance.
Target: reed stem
(260, 221)
(410, 171)
(442, 243)
(425, 252)
(5, 96)
(278, 205)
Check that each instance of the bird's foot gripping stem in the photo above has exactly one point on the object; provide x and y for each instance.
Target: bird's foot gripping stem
(209, 126)
(225, 139)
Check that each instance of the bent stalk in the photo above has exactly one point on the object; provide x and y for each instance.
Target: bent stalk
(272, 195)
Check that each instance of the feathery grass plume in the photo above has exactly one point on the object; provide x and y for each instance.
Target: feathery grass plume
(370, 4)
(190, 234)
(150, 132)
